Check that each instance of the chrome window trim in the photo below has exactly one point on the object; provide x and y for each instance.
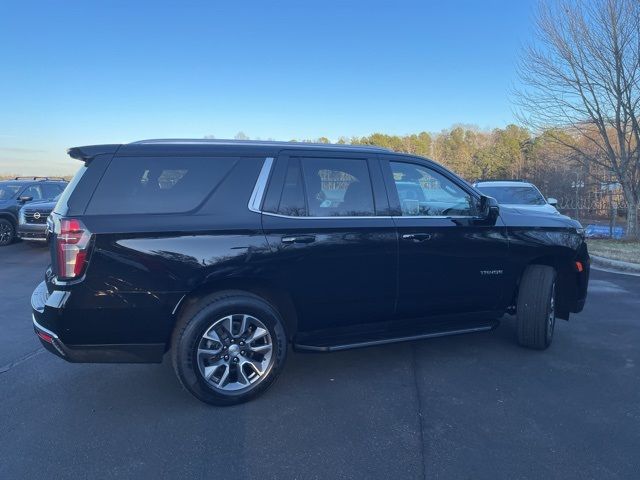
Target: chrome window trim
(364, 216)
(261, 185)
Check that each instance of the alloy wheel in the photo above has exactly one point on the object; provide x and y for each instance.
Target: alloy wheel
(235, 352)
(6, 233)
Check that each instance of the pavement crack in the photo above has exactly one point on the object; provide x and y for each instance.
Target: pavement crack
(414, 364)
(9, 366)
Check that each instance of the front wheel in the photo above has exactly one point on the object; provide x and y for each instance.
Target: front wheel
(7, 232)
(536, 307)
(228, 347)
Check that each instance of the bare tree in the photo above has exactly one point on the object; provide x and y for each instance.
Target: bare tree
(582, 77)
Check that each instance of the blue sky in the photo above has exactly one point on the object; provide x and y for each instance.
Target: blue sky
(76, 73)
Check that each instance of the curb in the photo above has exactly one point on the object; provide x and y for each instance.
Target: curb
(615, 264)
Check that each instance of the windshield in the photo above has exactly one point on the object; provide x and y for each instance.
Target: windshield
(8, 191)
(524, 195)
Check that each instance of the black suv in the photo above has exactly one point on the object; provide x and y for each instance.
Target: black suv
(225, 252)
(18, 192)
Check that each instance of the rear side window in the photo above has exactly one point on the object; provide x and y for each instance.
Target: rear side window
(326, 187)
(157, 184)
(61, 206)
(337, 187)
(292, 200)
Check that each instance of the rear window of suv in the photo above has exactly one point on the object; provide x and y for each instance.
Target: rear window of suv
(144, 185)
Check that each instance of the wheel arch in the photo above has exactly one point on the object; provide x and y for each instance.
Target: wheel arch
(279, 298)
(11, 217)
(564, 265)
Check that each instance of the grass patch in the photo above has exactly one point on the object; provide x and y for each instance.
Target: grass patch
(626, 251)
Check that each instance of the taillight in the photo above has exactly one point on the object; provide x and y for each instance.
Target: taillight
(72, 245)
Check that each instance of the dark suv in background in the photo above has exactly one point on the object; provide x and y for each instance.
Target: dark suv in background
(32, 220)
(225, 252)
(16, 193)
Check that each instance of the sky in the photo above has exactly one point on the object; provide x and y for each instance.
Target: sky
(78, 73)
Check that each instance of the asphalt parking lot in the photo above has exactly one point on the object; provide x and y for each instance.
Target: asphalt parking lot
(474, 406)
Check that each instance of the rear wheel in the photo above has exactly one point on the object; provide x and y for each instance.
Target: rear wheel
(536, 307)
(7, 232)
(228, 347)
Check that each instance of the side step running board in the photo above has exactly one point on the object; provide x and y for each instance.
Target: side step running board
(384, 341)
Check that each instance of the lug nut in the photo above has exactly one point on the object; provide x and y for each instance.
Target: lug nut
(235, 359)
(242, 343)
(226, 357)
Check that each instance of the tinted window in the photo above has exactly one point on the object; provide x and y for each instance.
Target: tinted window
(8, 191)
(66, 193)
(523, 195)
(33, 191)
(157, 185)
(337, 187)
(425, 192)
(50, 190)
(292, 198)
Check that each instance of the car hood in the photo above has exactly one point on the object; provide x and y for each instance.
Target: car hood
(41, 205)
(546, 208)
(515, 215)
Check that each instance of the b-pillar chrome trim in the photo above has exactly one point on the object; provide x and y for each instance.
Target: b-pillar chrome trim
(261, 184)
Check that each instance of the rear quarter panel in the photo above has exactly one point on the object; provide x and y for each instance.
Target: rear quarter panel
(141, 266)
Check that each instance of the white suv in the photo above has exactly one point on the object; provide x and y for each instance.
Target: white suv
(518, 194)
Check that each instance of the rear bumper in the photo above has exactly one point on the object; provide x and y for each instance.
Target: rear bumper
(48, 312)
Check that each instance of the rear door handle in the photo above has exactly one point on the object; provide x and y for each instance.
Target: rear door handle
(299, 239)
(418, 237)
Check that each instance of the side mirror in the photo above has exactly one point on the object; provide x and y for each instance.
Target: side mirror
(489, 208)
(25, 199)
(552, 201)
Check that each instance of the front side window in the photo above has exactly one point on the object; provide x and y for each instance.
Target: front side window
(33, 191)
(425, 192)
(50, 190)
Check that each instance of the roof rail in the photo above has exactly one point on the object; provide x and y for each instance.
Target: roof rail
(219, 141)
(500, 180)
(41, 179)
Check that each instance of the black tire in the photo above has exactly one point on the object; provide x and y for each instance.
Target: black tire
(198, 319)
(536, 307)
(7, 232)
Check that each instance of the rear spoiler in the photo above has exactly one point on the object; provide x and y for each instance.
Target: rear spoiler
(86, 154)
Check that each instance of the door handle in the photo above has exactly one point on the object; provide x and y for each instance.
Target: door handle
(299, 239)
(418, 237)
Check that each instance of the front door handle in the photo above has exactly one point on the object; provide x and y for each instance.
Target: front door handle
(299, 239)
(417, 237)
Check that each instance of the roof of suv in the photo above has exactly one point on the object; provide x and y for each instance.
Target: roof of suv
(21, 180)
(206, 145)
(503, 183)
